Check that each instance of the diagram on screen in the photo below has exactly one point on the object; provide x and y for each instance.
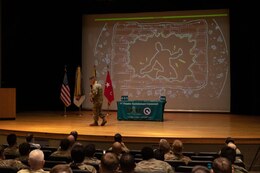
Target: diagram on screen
(174, 59)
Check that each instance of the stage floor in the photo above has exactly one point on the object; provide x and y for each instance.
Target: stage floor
(189, 127)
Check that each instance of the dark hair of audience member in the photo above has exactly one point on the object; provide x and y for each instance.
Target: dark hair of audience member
(159, 154)
(75, 134)
(228, 153)
(118, 137)
(147, 153)
(90, 150)
(24, 148)
(127, 162)
(77, 153)
(29, 137)
(11, 139)
(229, 139)
(221, 165)
(64, 144)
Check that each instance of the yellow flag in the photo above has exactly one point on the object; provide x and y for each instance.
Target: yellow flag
(79, 97)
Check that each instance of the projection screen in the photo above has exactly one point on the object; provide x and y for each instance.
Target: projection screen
(183, 55)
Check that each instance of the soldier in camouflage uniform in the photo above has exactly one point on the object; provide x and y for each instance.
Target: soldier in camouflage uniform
(10, 162)
(12, 150)
(149, 164)
(177, 148)
(77, 156)
(96, 97)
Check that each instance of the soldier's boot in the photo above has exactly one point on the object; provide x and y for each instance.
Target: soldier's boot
(95, 123)
(104, 122)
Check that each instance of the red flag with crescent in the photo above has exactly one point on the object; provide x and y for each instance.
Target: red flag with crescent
(108, 92)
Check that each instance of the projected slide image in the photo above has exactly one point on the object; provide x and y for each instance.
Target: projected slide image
(186, 60)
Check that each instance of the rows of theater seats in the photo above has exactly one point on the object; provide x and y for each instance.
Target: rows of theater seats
(200, 158)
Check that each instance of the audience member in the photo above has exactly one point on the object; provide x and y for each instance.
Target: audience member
(165, 148)
(10, 162)
(61, 168)
(230, 142)
(117, 149)
(64, 149)
(109, 163)
(12, 150)
(149, 164)
(71, 138)
(90, 158)
(75, 134)
(24, 150)
(127, 163)
(118, 138)
(177, 148)
(221, 165)
(77, 156)
(159, 154)
(230, 154)
(36, 162)
(30, 140)
(200, 169)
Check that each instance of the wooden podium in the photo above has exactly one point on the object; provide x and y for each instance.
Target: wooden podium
(7, 103)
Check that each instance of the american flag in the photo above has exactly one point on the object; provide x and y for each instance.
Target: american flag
(65, 91)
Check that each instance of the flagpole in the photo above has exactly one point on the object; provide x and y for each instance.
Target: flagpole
(65, 114)
(80, 111)
(108, 104)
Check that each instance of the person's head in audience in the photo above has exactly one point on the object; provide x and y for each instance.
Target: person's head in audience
(117, 148)
(109, 163)
(228, 153)
(11, 139)
(177, 147)
(229, 140)
(24, 149)
(71, 138)
(200, 169)
(118, 137)
(147, 153)
(90, 150)
(29, 137)
(159, 154)
(77, 153)
(127, 163)
(61, 168)
(164, 145)
(36, 159)
(64, 144)
(75, 134)
(221, 165)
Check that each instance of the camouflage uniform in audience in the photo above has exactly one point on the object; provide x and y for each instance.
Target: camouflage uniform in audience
(91, 161)
(90, 150)
(12, 149)
(64, 150)
(239, 169)
(13, 163)
(177, 148)
(83, 166)
(153, 165)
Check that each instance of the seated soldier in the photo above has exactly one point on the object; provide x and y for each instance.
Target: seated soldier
(77, 156)
(109, 163)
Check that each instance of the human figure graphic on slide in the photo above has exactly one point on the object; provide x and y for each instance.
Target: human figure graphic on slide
(161, 65)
